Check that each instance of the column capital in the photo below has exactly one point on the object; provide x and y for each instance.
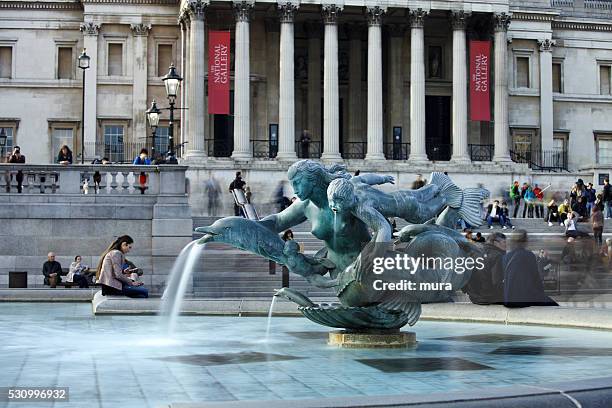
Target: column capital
(183, 18)
(417, 17)
(242, 10)
(197, 9)
(140, 29)
(546, 45)
(374, 15)
(89, 28)
(331, 12)
(287, 12)
(501, 21)
(459, 19)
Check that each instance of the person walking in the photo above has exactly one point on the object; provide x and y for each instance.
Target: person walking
(539, 205)
(597, 222)
(213, 191)
(607, 198)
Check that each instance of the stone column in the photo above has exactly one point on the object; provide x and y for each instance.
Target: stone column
(89, 128)
(314, 81)
(331, 116)
(502, 153)
(546, 94)
(417, 87)
(460, 130)
(184, 24)
(355, 110)
(139, 87)
(197, 72)
(286, 108)
(375, 108)
(242, 88)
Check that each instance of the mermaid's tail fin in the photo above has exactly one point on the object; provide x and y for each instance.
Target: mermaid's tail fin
(466, 202)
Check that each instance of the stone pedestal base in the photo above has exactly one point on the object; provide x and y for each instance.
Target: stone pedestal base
(347, 339)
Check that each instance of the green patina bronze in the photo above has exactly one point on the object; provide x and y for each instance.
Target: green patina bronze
(350, 216)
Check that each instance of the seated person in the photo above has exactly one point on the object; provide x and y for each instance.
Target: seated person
(109, 272)
(571, 230)
(52, 270)
(553, 213)
(579, 207)
(486, 285)
(479, 238)
(131, 271)
(506, 216)
(76, 273)
(494, 213)
(563, 210)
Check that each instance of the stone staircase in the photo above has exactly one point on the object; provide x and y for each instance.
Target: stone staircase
(229, 273)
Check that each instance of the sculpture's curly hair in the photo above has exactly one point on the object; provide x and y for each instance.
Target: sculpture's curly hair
(316, 173)
(342, 189)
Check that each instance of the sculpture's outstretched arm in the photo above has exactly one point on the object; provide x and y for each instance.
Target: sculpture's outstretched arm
(292, 215)
(375, 221)
(374, 179)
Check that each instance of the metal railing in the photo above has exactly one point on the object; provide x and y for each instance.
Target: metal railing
(396, 151)
(117, 153)
(562, 3)
(542, 160)
(481, 152)
(262, 148)
(309, 150)
(598, 4)
(439, 152)
(107, 179)
(354, 150)
(219, 148)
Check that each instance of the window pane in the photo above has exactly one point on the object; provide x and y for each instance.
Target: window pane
(161, 140)
(604, 151)
(61, 137)
(522, 72)
(6, 62)
(113, 143)
(64, 63)
(115, 59)
(604, 80)
(559, 143)
(8, 131)
(556, 78)
(164, 59)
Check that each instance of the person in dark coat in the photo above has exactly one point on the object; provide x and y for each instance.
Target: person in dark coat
(52, 269)
(16, 158)
(485, 286)
(65, 155)
(522, 283)
(237, 184)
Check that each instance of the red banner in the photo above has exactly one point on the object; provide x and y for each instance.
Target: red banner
(480, 73)
(219, 72)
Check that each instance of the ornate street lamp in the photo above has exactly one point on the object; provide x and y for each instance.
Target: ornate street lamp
(83, 65)
(172, 81)
(153, 118)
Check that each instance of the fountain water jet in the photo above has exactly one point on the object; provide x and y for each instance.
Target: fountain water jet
(173, 296)
(270, 317)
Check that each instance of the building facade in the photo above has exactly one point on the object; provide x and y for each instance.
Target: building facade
(379, 84)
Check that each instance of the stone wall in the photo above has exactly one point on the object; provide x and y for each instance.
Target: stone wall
(71, 224)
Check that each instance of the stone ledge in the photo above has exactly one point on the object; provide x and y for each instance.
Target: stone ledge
(47, 295)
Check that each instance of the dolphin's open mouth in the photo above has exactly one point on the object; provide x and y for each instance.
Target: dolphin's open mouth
(209, 235)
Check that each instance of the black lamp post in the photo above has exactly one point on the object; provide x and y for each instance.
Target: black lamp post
(172, 81)
(153, 117)
(2, 144)
(83, 65)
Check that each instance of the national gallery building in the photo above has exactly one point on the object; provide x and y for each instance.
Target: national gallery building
(388, 84)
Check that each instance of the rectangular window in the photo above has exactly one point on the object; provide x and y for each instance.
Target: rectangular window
(113, 143)
(522, 72)
(61, 137)
(65, 63)
(560, 142)
(161, 140)
(556, 77)
(115, 59)
(6, 62)
(10, 139)
(164, 59)
(604, 80)
(604, 151)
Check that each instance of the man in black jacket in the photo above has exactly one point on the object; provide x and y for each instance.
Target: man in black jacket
(237, 184)
(607, 198)
(52, 269)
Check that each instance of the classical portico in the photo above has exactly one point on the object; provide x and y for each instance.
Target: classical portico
(359, 82)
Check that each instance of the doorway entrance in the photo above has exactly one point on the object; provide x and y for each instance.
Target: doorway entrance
(223, 136)
(438, 127)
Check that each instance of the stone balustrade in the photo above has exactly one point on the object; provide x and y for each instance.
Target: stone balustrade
(91, 179)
